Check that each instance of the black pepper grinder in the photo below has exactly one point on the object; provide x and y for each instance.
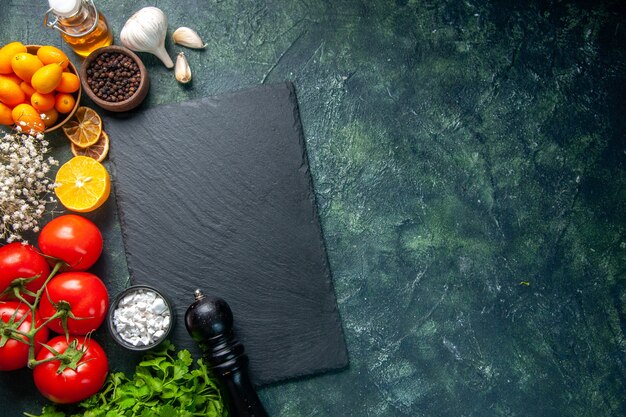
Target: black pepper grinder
(209, 321)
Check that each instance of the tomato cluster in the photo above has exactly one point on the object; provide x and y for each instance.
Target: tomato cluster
(72, 303)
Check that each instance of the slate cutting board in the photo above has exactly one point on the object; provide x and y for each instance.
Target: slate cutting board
(216, 194)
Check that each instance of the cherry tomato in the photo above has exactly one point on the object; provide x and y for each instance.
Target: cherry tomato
(87, 296)
(22, 261)
(73, 239)
(14, 354)
(66, 385)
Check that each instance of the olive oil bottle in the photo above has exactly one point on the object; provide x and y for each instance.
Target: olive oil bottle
(82, 26)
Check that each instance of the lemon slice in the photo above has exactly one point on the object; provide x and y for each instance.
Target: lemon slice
(83, 184)
(85, 127)
(97, 151)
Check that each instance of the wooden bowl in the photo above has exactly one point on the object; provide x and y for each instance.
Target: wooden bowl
(32, 49)
(119, 106)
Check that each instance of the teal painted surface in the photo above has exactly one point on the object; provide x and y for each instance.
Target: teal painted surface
(469, 163)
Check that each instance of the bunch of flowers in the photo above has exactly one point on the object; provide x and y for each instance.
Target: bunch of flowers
(24, 185)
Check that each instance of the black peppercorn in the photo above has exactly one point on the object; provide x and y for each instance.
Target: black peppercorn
(113, 77)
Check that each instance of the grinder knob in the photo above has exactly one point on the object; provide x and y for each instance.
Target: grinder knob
(208, 318)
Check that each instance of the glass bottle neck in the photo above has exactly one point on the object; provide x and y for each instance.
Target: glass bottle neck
(81, 22)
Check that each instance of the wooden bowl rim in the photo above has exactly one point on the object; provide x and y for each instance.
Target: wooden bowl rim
(34, 48)
(131, 102)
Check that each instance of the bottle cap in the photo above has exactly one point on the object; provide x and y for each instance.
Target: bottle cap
(64, 8)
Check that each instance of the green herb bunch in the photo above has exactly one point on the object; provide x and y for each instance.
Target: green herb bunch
(163, 385)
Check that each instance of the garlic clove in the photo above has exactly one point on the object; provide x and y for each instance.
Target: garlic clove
(182, 70)
(188, 37)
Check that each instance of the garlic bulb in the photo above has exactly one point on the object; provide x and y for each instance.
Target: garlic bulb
(188, 37)
(182, 70)
(145, 31)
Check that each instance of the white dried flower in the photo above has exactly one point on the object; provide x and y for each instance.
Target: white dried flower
(24, 188)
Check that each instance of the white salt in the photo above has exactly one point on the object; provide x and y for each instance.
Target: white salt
(141, 318)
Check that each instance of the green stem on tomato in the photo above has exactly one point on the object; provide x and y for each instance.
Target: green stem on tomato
(33, 309)
(21, 333)
(32, 363)
(29, 336)
(49, 319)
(29, 293)
(18, 294)
(54, 271)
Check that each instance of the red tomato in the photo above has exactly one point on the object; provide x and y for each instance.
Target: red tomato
(73, 239)
(14, 354)
(87, 296)
(64, 385)
(22, 261)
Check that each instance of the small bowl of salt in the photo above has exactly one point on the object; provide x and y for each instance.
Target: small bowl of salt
(140, 317)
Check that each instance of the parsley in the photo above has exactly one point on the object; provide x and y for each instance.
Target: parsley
(163, 385)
